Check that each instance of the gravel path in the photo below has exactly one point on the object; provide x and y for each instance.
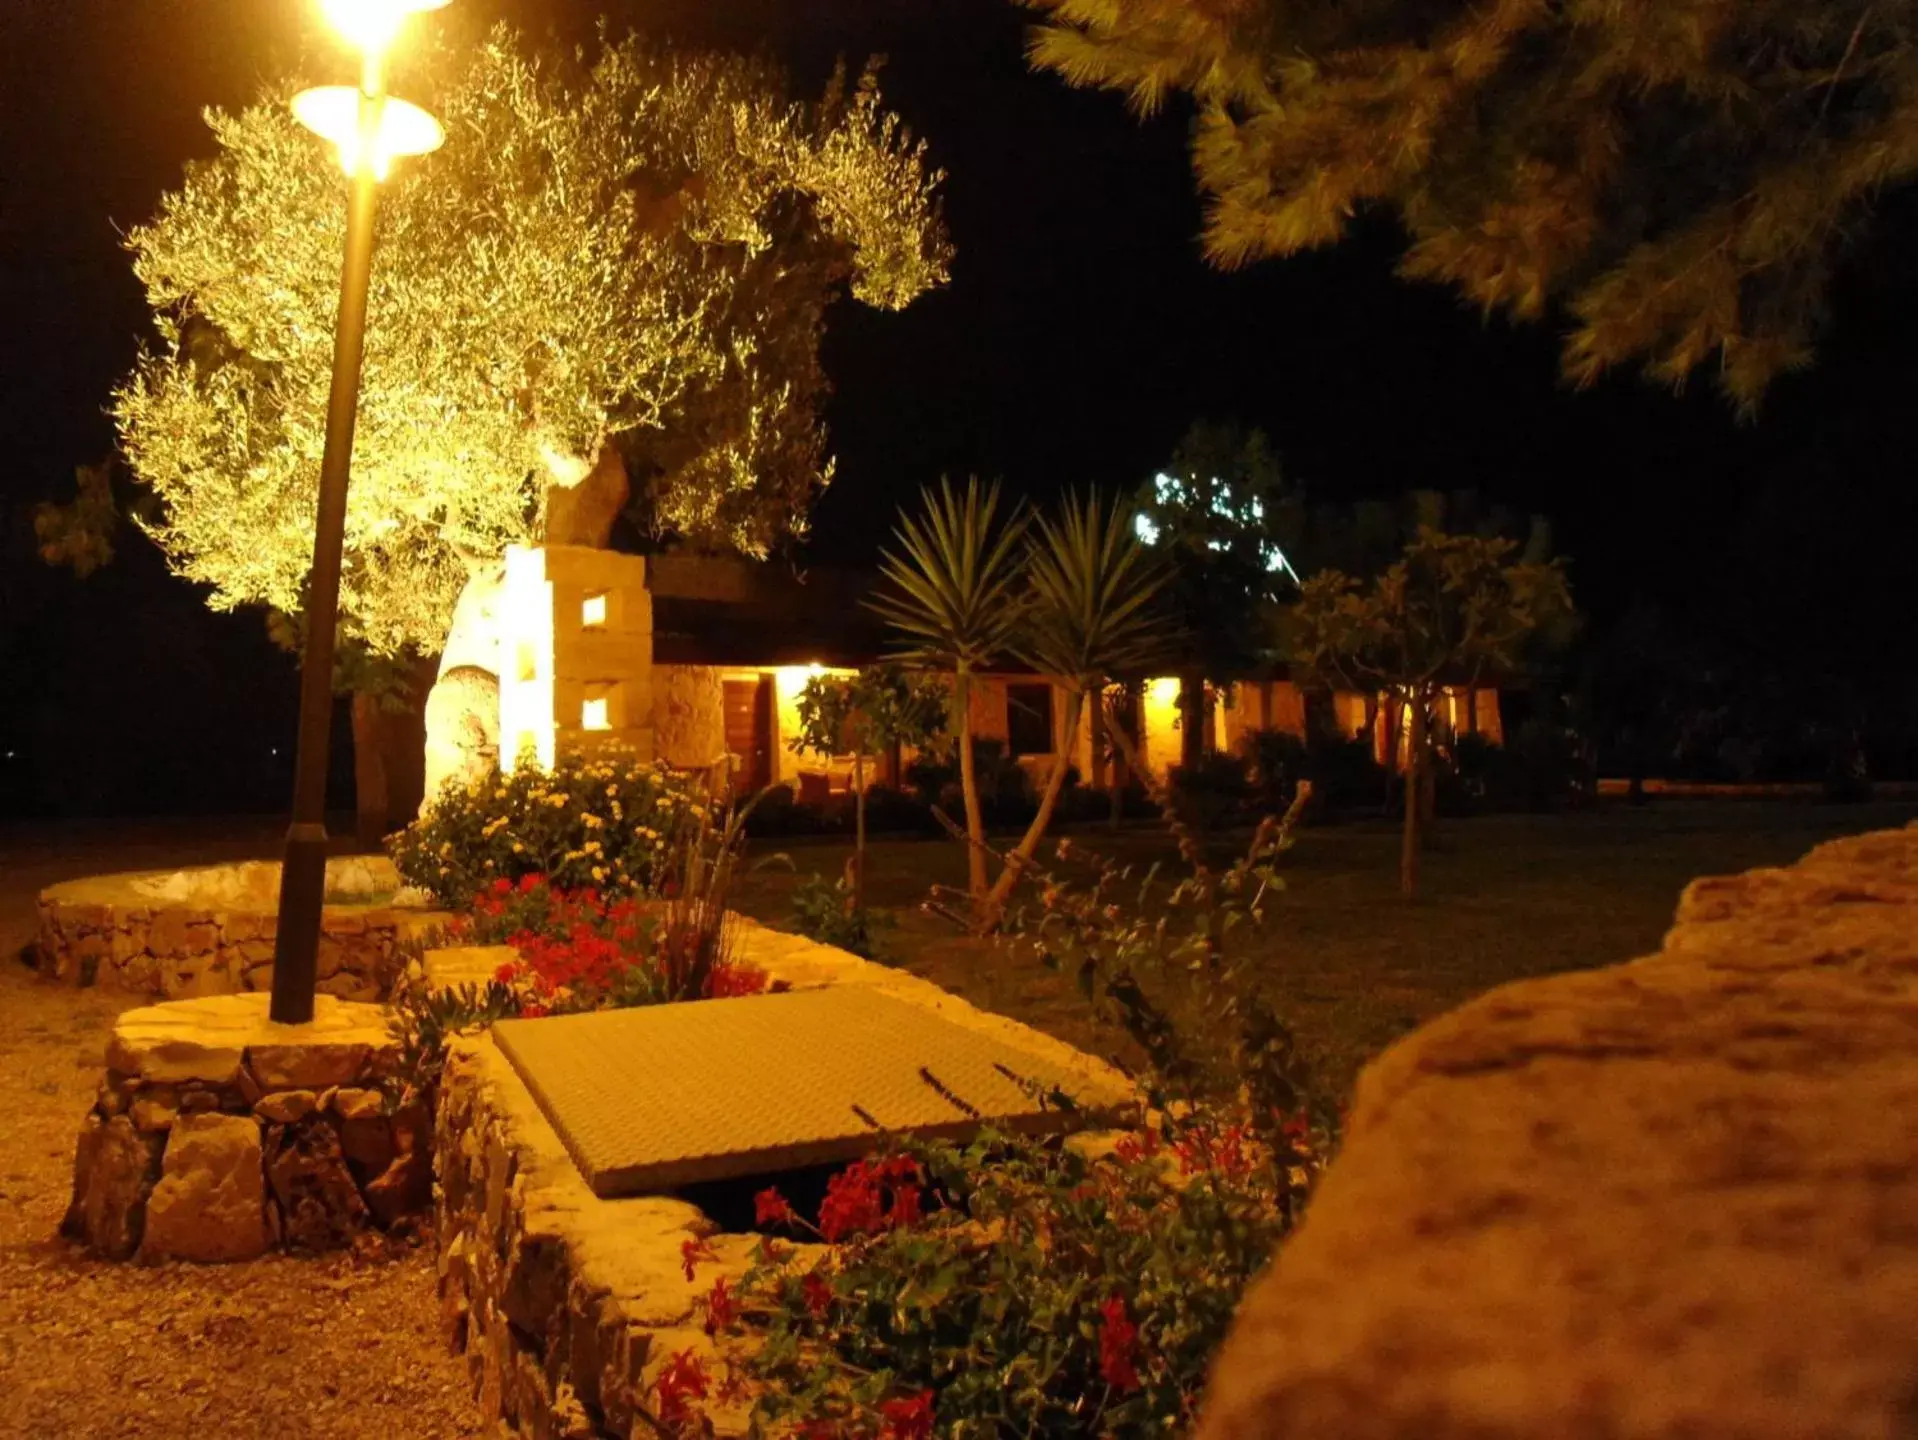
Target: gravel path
(341, 1348)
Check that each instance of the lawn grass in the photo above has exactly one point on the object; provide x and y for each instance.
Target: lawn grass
(1354, 965)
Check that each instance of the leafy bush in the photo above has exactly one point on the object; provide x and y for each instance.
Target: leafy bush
(1345, 775)
(823, 910)
(582, 951)
(1010, 1287)
(1215, 792)
(607, 821)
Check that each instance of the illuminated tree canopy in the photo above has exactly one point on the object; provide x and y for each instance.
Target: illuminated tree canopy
(1678, 174)
(633, 247)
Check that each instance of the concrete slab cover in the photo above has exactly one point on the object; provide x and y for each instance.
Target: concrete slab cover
(652, 1099)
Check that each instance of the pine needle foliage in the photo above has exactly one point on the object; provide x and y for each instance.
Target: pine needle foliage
(630, 245)
(1676, 177)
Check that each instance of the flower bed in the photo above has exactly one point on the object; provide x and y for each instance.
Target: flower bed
(209, 930)
(573, 1310)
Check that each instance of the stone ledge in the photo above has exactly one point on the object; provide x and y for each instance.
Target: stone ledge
(218, 1134)
(209, 930)
(1673, 1198)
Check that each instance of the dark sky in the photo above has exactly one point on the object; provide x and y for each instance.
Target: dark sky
(1082, 333)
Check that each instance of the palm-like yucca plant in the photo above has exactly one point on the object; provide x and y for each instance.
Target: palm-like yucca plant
(1090, 613)
(953, 596)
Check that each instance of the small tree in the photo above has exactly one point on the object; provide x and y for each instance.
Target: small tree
(1452, 609)
(866, 715)
(952, 596)
(1221, 515)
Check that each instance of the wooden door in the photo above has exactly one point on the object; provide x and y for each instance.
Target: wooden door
(749, 732)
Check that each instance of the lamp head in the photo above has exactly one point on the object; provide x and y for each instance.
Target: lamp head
(333, 113)
(371, 25)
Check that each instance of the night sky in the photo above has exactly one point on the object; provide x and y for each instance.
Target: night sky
(1081, 335)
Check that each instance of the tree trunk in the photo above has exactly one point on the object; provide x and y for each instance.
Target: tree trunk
(969, 782)
(1414, 778)
(1192, 723)
(858, 832)
(369, 772)
(1096, 744)
(1021, 856)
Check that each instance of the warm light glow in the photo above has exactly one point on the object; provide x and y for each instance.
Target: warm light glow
(371, 25)
(592, 611)
(333, 113)
(594, 715)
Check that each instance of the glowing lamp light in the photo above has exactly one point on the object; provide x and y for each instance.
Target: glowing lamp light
(333, 113)
(371, 25)
(592, 611)
(593, 715)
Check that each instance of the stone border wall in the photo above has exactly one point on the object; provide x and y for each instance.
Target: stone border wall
(214, 1138)
(105, 931)
(568, 1306)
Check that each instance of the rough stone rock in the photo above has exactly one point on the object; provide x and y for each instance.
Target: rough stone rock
(205, 1039)
(210, 1202)
(114, 1169)
(286, 1107)
(462, 727)
(320, 1206)
(403, 1189)
(308, 1067)
(367, 1145)
(352, 1103)
(1674, 1198)
(154, 1108)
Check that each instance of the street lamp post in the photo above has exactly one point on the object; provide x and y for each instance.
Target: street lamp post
(370, 130)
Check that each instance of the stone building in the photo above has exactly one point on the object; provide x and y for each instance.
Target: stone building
(700, 660)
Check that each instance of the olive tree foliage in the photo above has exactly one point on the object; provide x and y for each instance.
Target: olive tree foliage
(629, 246)
(1452, 610)
(1678, 175)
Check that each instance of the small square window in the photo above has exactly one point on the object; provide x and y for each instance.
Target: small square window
(595, 714)
(592, 611)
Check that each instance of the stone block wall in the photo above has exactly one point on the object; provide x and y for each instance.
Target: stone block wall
(214, 1139)
(139, 934)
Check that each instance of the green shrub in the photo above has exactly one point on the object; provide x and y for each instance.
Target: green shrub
(823, 911)
(1215, 792)
(606, 821)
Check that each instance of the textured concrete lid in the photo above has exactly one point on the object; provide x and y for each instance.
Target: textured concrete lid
(656, 1098)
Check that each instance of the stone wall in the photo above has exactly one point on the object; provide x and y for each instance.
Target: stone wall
(213, 1138)
(181, 934)
(1673, 1198)
(568, 1306)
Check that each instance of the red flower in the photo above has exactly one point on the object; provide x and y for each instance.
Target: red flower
(816, 1293)
(904, 1213)
(1134, 1148)
(1298, 1129)
(1117, 1339)
(772, 1208)
(908, 1418)
(820, 1430)
(683, 1380)
(692, 1252)
(502, 886)
(527, 883)
(507, 973)
(721, 1307)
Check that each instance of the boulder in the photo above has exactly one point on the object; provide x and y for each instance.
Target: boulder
(210, 1202)
(1674, 1198)
(114, 1167)
(320, 1206)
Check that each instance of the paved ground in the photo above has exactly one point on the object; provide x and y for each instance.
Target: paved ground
(340, 1348)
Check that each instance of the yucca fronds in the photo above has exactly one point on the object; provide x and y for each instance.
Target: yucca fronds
(952, 591)
(1092, 611)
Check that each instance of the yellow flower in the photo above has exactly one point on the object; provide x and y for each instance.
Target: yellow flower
(599, 872)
